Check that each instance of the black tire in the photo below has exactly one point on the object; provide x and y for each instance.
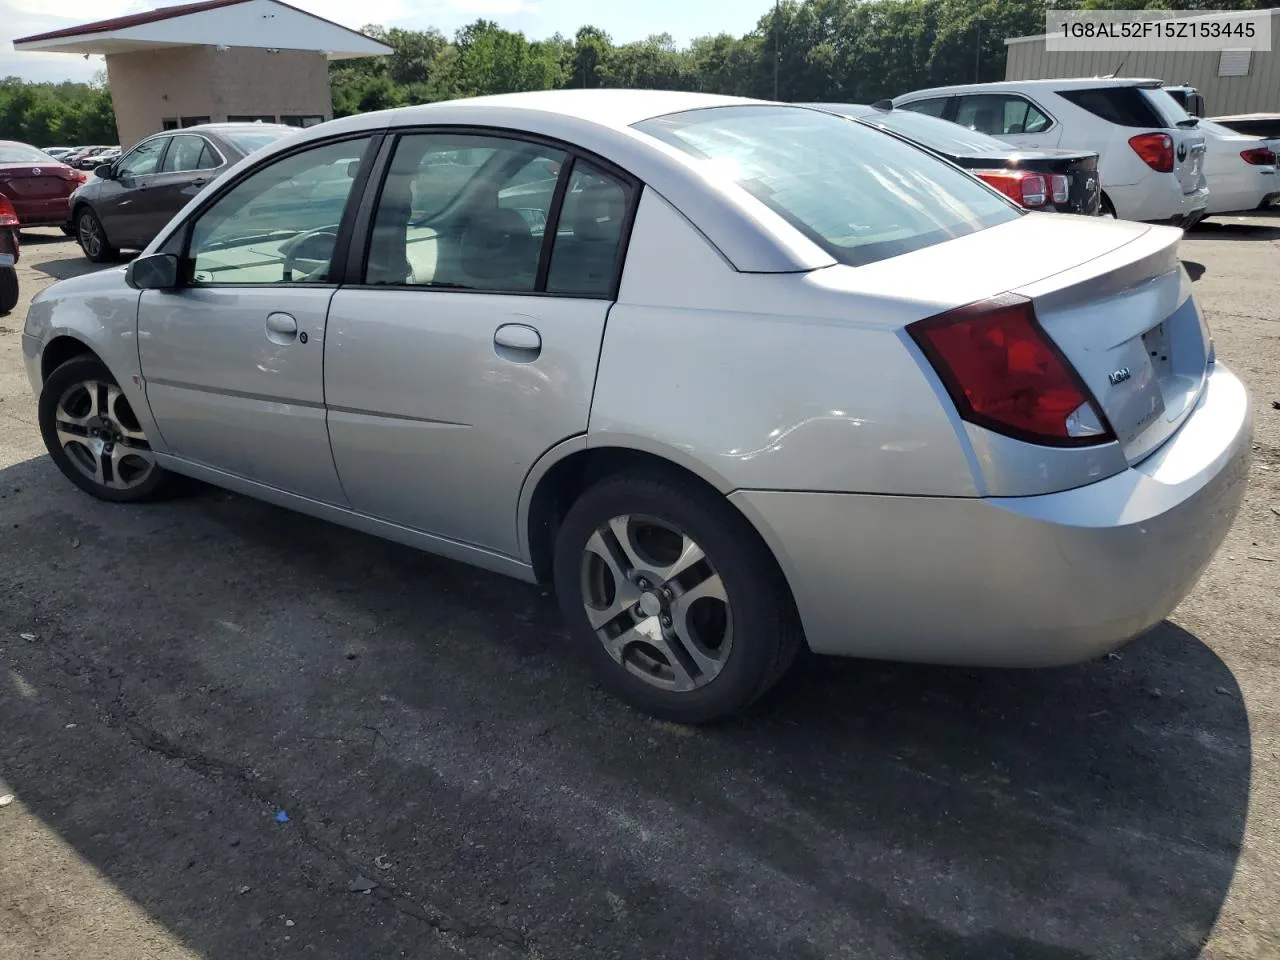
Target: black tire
(8, 290)
(1108, 209)
(78, 370)
(93, 238)
(766, 632)
(68, 230)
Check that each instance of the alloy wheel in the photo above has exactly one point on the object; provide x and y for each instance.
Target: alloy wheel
(656, 603)
(101, 437)
(90, 235)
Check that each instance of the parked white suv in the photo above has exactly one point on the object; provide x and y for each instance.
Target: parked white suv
(1150, 156)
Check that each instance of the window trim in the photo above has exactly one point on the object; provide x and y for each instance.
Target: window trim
(362, 235)
(948, 101)
(179, 241)
(954, 110)
(222, 160)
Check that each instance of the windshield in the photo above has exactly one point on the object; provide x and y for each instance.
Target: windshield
(251, 140)
(21, 153)
(859, 194)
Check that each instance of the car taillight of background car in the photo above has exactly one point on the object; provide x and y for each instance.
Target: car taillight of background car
(1031, 190)
(1155, 149)
(1259, 157)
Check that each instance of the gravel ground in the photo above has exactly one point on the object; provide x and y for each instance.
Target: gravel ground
(177, 679)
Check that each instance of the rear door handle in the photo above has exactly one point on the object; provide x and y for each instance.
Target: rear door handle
(199, 181)
(518, 342)
(281, 328)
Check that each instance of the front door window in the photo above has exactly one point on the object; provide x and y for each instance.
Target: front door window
(279, 224)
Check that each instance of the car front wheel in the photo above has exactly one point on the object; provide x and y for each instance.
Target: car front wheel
(92, 238)
(93, 435)
(676, 603)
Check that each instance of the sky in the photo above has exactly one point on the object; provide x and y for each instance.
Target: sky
(624, 20)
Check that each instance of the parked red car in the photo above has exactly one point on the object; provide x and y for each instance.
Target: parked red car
(8, 256)
(37, 185)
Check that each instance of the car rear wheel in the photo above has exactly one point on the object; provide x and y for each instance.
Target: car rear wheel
(92, 238)
(676, 603)
(94, 437)
(1108, 210)
(8, 290)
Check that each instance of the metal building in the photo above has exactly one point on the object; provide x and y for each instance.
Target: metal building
(1231, 81)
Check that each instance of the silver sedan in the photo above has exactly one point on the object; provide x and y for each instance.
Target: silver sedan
(733, 376)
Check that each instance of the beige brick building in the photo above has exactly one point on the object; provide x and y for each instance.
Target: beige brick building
(219, 60)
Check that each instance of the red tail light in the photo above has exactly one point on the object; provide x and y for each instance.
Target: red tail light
(1259, 157)
(8, 216)
(1020, 186)
(1060, 187)
(1005, 374)
(1155, 149)
(71, 173)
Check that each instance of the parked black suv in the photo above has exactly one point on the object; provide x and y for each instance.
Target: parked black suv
(129, 201)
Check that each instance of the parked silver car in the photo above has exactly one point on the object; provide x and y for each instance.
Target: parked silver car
(732, 375)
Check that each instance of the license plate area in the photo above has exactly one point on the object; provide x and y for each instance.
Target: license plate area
(1156, 342)
(36, 187)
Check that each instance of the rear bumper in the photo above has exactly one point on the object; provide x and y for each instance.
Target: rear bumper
(1015, 581)
(43, 213)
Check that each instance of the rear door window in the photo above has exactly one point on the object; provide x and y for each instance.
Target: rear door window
(998, 114)
(860, 194)
(1126, 106)
(188, 153)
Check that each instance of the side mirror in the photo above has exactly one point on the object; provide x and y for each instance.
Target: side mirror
(159, 271)
(353, 168)
(105, 171)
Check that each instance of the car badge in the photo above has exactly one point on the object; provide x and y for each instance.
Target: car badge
(1182, 152)
(35, 171)
(1118, 377)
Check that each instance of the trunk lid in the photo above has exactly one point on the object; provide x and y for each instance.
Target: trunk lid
(33, 181)
(1111, 294)
(1128, 323)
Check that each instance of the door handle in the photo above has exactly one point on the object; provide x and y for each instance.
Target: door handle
(517, 342)
(199, 181)
(281, 328)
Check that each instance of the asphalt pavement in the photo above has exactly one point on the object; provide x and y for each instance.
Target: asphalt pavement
(234, 732)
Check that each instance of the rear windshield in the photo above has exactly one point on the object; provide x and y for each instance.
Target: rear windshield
(859, 194)
(1167, 105)
(251, 140)
(21, 153)
(1126, 106)
(941, 135)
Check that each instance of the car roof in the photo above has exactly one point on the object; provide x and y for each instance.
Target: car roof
(612, 108)
(232, 127)
(848, 109)
(1059, 83)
